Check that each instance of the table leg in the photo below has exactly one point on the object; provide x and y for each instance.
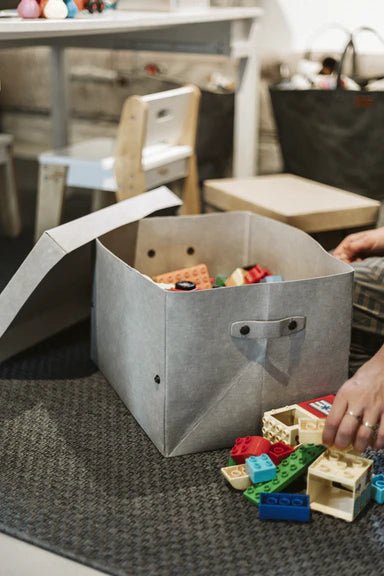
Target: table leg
(245, 47)
(59, 97)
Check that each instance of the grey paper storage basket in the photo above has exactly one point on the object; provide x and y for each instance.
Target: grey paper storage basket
(181, 362)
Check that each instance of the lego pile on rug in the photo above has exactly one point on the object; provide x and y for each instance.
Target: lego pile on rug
(79, 477)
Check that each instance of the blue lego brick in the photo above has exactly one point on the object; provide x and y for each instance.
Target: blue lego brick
(260, 468)
(282, 506)
(268, 279)
(377, 491)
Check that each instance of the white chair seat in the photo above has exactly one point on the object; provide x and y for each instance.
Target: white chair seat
(91, 163)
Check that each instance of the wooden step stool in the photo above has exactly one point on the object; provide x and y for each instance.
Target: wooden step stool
(305, 204)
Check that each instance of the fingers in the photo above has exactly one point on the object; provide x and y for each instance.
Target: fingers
(379, 441)
(349, 427)
(366, 433)
(334, 419)
(352, 246)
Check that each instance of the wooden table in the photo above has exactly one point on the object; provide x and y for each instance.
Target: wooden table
(233, 32)
(308, 205)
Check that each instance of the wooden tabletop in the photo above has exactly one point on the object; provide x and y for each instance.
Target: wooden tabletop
(303, 203)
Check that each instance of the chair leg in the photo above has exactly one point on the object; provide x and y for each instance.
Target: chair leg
(50, 198)
(191, 190)
(102, 199)
(11, 208)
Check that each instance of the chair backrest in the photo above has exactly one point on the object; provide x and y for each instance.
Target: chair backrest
(159, 120)
(168, 117)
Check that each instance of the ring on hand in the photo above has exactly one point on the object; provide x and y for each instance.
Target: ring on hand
(357, 416)
(372, 427)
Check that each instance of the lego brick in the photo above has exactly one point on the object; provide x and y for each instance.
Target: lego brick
(249, 446)
(237, 476)
(255, 274)
(311, 431)
(279, 451)
(319, 407)
(377, 491)
(284, 506)
(197, 274)
(260, 468)
(282, 424)
(339, 484)
(271, 279)
(286, 472)
(231, 462)
(237, 278)
(219, 281)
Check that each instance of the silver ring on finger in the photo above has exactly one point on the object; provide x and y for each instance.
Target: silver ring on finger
(357, 417)
(372, 427)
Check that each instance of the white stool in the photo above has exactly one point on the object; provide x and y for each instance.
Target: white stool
(9, 202)
(155, 145)
(308, 205)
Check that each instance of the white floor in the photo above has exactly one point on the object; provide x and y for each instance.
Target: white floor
(18, 558)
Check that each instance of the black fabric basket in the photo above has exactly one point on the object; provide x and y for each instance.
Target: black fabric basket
(333, 136)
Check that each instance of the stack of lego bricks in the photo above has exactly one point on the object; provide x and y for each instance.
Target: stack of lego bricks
(198, 278)
(338, 483)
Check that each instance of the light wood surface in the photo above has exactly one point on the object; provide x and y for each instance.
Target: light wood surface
(308, 205)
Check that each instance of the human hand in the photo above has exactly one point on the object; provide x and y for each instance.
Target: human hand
(360, 245)
(358, 409)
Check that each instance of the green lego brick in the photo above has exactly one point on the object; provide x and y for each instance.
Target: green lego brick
(287, 471)
(231, 462)
(220, 280)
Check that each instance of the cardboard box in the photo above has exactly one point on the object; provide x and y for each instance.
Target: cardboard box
(163, 5)
(181, 361)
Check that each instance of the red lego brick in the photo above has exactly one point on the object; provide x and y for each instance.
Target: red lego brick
(256, 274)
(320, 407)
(279, 451)
(249, 446)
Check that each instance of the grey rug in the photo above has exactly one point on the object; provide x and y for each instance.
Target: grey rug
(80, 478)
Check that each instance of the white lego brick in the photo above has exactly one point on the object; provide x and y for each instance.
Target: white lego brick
(282, 424)
(311, 431)
(338, 484)
(237, 476)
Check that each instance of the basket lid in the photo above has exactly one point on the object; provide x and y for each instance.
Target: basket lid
(52, 288)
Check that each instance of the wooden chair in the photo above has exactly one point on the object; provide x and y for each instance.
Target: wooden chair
(155, 145)
(9, 202)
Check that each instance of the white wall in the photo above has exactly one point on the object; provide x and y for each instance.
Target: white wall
(290, 25)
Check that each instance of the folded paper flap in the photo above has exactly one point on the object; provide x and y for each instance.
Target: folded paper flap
(83, 230)
(45, 280)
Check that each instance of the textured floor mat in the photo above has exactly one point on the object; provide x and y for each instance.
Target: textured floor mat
(80, 478)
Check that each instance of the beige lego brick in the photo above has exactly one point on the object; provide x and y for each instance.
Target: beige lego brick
(237, 278)
(282, 424)
(311, 431)
(338, 484)
(237, 476)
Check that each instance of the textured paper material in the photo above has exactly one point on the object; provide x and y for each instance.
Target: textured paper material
(52, 288)
(177, 359)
